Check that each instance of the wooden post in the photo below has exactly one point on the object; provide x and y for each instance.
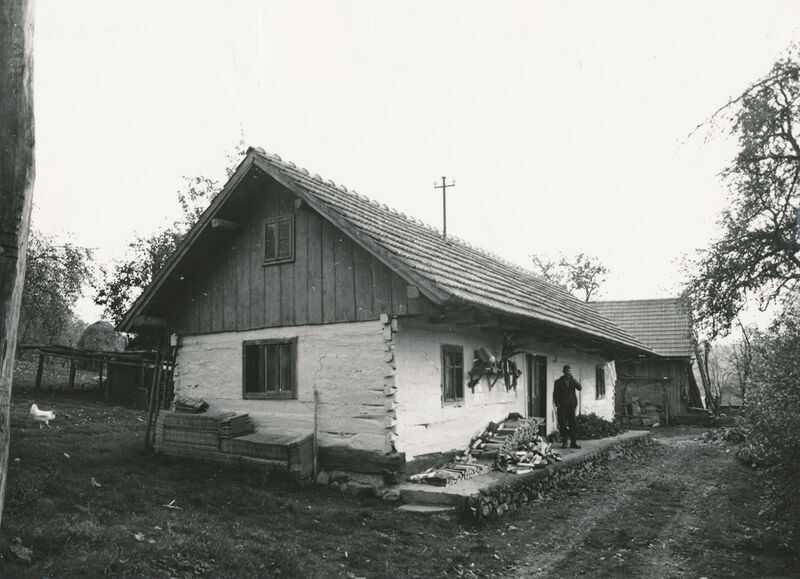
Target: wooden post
(316, 432)
(71, 374)
(141, 385)
(16, 192)
(153, 398)
(40, 371)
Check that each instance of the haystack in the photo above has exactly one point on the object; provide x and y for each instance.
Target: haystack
(101, 337)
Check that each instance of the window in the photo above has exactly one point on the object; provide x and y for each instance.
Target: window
(269, 369)
(279, 240)
(600, 382)
(452, 373)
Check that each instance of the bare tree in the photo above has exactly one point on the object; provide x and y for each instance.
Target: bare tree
(581, 274)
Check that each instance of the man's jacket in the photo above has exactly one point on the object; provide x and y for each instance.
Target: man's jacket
(564, 392)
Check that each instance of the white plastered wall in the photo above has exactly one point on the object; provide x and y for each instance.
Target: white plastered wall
(345, 362)
(425, 424)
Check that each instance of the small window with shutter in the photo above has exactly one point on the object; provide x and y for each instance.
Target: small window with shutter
(279, 240)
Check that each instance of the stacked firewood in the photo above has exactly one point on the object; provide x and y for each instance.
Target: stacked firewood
(501, 438)
(528, 455)
(451, 474)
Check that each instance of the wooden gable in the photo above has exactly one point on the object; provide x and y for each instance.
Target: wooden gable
(226, 285)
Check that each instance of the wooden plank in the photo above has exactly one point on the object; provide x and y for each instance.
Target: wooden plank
(216, 292)
(314, 268)
(243, 274)
(364, 293)
(329, 240)
(257, 270)
(287, 294)
(272, 295)
(229, 294)
(399, 295)
(345, 283)
(16, 193)
(217, 223)
(381, 287)
(300, 268)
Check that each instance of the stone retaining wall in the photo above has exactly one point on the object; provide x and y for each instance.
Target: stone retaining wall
(503, 498)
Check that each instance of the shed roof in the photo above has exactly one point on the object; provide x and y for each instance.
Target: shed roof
(663, 324)
(446, 271)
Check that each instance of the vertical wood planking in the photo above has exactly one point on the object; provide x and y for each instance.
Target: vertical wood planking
(231, 296)
(345, 283)
(272, 295)
(301, 269)
(329, 237)
(362, 264)
(257, 267)
(216, 293)
(399, 298)
(243, 269)
(287, 294)
(382, 287)
(314, 268)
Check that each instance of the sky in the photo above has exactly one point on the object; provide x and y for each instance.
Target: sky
(565, 125)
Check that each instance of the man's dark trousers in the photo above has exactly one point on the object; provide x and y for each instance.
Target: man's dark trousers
(567, 424)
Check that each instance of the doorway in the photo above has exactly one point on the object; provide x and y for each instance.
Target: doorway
(536, 374)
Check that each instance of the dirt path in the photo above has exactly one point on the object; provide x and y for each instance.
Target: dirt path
(685, 510)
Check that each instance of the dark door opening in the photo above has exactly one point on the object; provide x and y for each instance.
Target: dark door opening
(536, 372)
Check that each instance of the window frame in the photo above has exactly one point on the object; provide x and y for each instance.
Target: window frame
(276, 221)
(457, 388)
(599, 371)
(290, 394)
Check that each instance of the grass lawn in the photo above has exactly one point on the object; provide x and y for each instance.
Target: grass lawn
(230, 522)
(681, 509)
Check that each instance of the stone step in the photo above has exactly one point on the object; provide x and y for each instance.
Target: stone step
(422, 494)
(426, 509)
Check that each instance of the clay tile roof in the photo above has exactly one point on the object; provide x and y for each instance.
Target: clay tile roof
(450, 266)
(664, 324)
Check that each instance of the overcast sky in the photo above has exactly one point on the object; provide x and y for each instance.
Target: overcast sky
(564, 124)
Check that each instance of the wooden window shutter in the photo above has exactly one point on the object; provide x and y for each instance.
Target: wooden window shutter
(270, 240)
(279, 240)
(285, 238)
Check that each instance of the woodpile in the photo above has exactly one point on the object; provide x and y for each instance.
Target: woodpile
(187, 405)
(451, 474)
(512, 445)
(530, 455)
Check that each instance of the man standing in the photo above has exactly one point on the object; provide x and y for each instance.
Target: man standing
(566, 401)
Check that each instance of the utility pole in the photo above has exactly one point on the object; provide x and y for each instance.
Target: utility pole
(444, 187)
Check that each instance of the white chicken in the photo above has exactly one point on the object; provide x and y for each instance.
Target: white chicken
(42, 416)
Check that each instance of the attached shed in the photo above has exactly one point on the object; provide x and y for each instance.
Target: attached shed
(315, 309)
(655, 388)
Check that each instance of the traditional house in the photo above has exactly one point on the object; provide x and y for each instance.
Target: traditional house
(655, 389)
(314, 308)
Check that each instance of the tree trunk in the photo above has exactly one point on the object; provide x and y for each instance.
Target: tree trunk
(702, 366)
(16, 192)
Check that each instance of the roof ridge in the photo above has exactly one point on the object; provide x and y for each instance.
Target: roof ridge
(410, 219)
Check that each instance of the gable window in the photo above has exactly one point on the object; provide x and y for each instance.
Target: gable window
(600, 382)
(269, 369)
(279, 240)
(452, 373)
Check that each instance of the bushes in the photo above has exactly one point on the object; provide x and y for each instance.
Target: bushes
(592, 426)
(771, 417)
